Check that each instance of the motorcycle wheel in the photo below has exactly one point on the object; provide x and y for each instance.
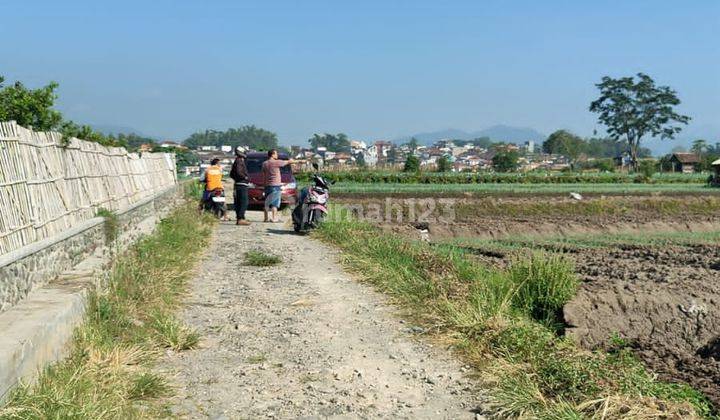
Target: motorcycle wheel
(217, 211)
(316, 217)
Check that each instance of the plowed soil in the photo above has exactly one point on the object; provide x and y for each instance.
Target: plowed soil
(664, 302)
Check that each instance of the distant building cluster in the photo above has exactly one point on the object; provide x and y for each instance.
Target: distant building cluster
(460, 156)
(383, 154)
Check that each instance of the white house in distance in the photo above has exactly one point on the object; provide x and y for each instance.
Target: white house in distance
(530, 146)
(357, 146)
(371, 155)
(168, 144)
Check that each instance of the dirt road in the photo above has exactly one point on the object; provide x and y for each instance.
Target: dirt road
(304, 339)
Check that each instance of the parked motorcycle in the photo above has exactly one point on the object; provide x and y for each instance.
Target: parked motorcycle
(312, 206)
(215, 203)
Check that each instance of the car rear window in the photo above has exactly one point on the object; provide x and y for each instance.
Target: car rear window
(254, 166)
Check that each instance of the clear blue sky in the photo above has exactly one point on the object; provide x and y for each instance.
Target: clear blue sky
(372, 69)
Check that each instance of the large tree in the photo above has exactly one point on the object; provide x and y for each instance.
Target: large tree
(699, 146)
(34, 108)
(412, 164)
(706, 152)
(611, 148)
(565, 143)
(247, 135)
(30, 107)
(632, 109)
(333, 142)
(506, 161)
(134, 141)
(444, 164)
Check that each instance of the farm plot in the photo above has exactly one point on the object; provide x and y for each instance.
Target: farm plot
(649, 268)
(656, 291)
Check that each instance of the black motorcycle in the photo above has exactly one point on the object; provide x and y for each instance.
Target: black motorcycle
(215, 203)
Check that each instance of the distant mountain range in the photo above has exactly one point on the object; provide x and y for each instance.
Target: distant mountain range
(497, 132)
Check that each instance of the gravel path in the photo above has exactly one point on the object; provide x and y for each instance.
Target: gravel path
(304, 340)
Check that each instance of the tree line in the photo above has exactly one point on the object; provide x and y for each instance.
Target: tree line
(247, 135)
(33, 108)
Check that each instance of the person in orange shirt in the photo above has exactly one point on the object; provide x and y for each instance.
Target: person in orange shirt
(212, 178)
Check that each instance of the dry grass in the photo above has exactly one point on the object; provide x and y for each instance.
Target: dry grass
(109, 372)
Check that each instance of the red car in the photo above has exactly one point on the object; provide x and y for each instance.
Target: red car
(254, 163)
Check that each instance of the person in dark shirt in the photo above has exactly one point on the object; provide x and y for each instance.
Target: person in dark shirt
(239, 174)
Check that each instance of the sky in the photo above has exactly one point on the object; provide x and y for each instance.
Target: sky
(371, 69)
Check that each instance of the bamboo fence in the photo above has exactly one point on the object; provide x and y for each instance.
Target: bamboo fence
(47, 187)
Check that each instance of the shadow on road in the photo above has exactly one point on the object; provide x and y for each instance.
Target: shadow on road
(282, 232)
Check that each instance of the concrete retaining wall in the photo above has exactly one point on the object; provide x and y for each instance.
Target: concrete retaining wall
(44, 287)
(32, 266)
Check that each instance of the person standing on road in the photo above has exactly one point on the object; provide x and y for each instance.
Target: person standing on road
(273, 183)
(240, 175)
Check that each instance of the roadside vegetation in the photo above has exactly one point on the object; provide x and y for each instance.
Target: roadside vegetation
(507, 323)
(108, 374)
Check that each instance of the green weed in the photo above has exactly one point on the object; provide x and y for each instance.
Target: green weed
(543, 285)
(111, 226)
(148, 385)
(257, 359)
(259, 258)
(172, 334)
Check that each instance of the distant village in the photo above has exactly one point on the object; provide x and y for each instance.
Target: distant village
(460, 156)
(387, 155)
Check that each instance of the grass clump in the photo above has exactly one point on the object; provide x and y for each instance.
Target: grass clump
(259, 258)
(192, 189)
(108, 374)
(257, 359)
(543, 285)
(111, 226)
(170, 333)
(148, 385)
(507, 323)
